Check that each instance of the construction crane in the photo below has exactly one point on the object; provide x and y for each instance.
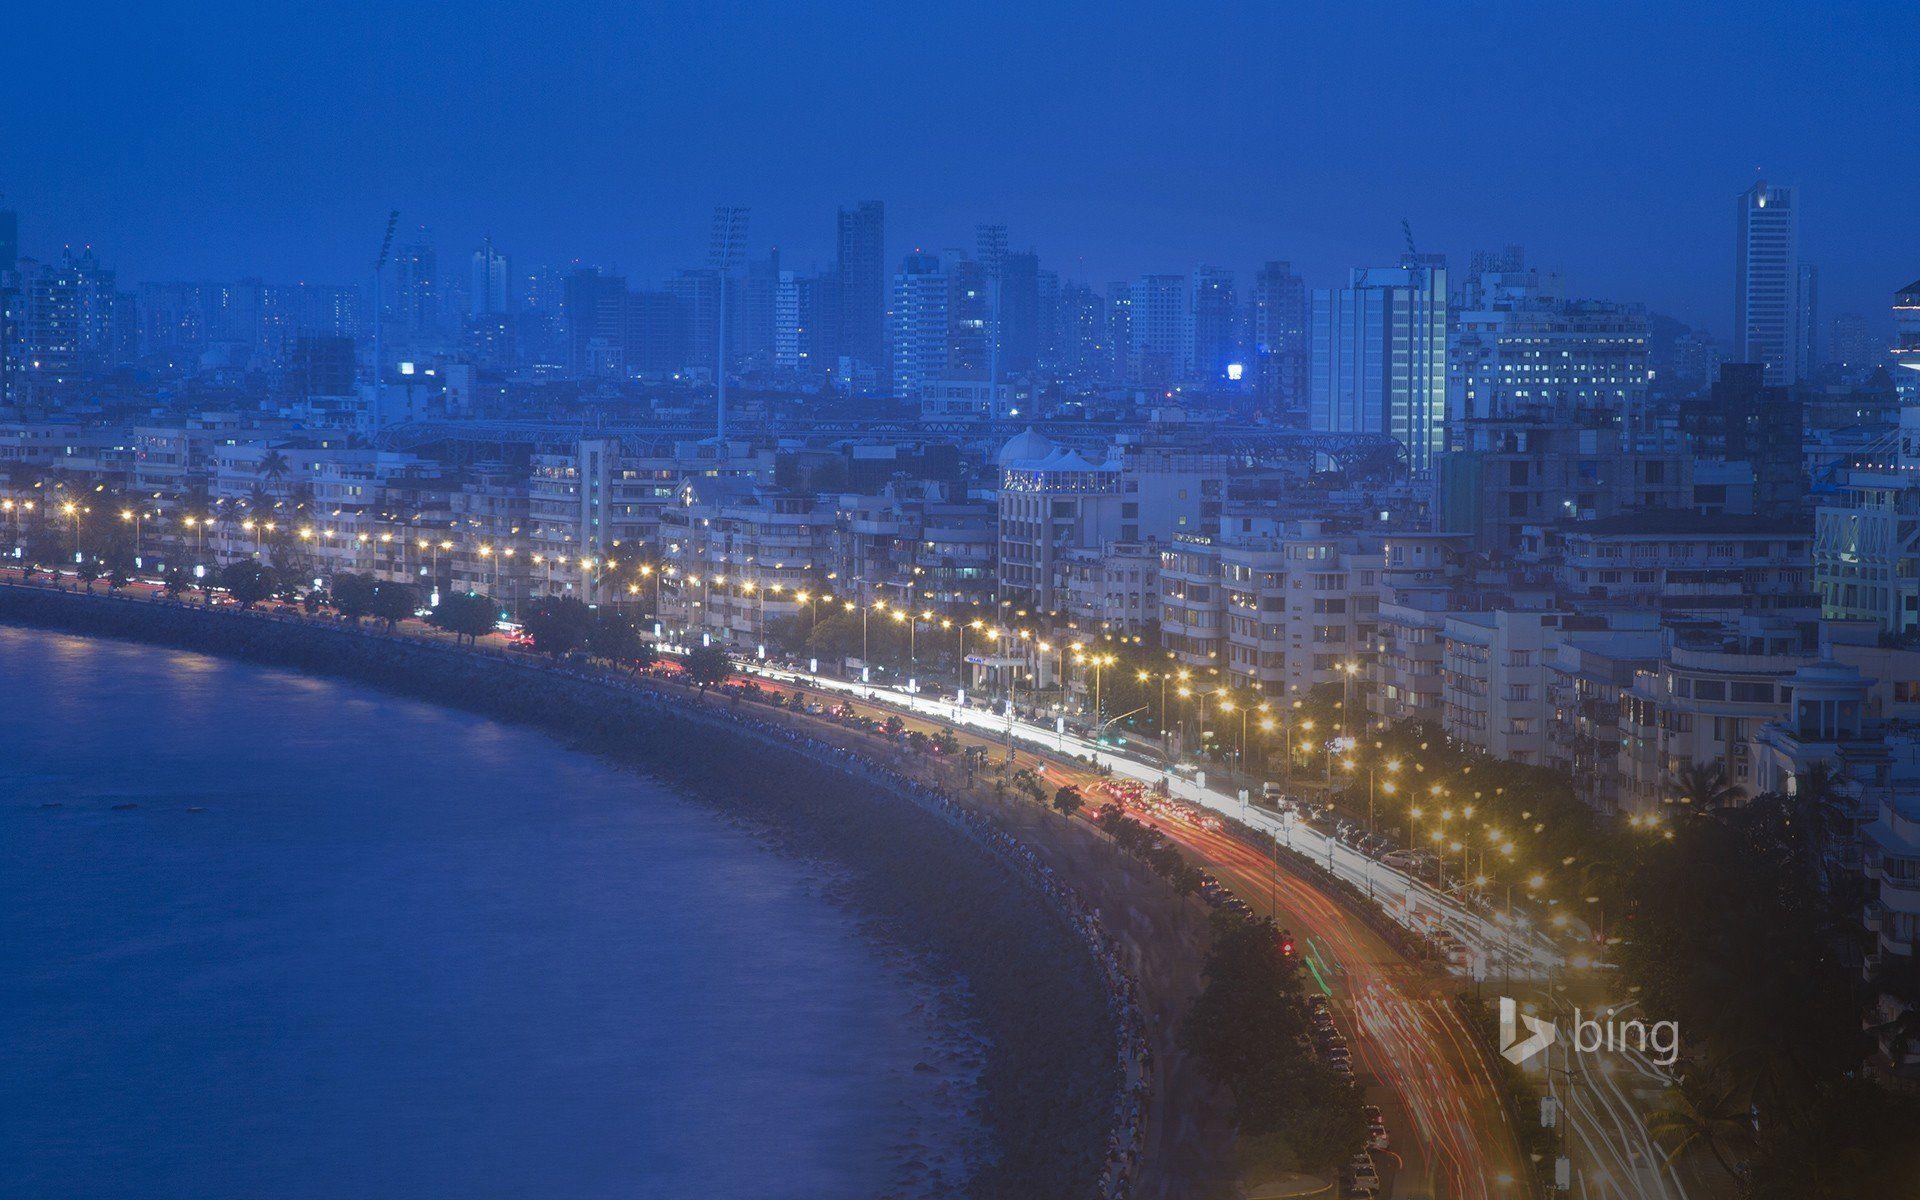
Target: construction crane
(1406, 231)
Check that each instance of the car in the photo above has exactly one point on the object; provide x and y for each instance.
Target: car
(1371, 1112)
(1377, 1137)
(1361, 1169)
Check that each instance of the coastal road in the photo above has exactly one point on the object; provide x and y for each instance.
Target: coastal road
(1412, 1047)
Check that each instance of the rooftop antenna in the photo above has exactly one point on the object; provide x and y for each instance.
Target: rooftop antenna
(729, 238)
(379, 269)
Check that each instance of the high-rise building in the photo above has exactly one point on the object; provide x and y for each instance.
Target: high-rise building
(969, 318)
(1214, 312)
(1019, 312)
(1380, 356)
(413, 304)
(1527, 352)
(860, 269)
(654, 334)
(489, 285)
(921, 292)
(1161, 324)
(71, 319)
(1277, 339)
(750, 306)
(9, 241)
(1120, 330)
(1079, 335)
(697, 290)
(595, 306)
(1771, 324)
(1851, 348)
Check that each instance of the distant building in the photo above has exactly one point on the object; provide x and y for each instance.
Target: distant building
(1773, 299)
(1526, 350)
(489, 282)
(1160, 329)
(1215, 313)
(1380, 357)
(1866, 537)
(1851, 347)
(860, 269)
(413, 299)
(1277, 340)
(919, 317)
(1744, 419)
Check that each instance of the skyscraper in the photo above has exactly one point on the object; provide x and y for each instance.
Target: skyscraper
(1380, 356)
(920, 324)
(414, 302)
(1215, 315)
(1161, 324)
(860, 267)
(489, 287)
(1771, 297)
(1277, 331)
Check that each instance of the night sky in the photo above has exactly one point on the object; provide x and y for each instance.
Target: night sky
(208, 141)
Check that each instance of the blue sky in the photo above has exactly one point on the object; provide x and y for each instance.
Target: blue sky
(203, 141)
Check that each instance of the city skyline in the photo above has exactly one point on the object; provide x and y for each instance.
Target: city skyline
(241, 175)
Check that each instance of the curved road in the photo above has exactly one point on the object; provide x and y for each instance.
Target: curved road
(1413, 1049)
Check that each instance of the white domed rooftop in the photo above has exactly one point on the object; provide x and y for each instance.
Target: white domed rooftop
(1025, 447)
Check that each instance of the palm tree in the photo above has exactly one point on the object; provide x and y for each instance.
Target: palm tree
(1703, 786)
(274, 466)
(1704, 1111)
(1820, 806)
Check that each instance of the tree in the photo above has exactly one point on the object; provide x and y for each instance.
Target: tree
(945, 742)
(175, 581)
(45, 549)
(353, 595)
(893, 726)
(119, 571)
(558, 625)
(274, 465)
(614, 637)
(88, 569)
(394, 602)
(1704, 786)
(466, 615)
(1703, 1110)
(708, 666)
(248, 581)
(1247, 1030)
(1069, 800)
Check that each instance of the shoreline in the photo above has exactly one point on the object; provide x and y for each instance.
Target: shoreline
(1063, 1075)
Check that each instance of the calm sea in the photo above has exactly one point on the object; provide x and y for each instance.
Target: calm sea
(269, 936)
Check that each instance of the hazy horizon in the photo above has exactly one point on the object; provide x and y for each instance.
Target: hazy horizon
(1610, 143)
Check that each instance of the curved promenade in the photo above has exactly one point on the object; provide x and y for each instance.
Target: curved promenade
(1068, 1077)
